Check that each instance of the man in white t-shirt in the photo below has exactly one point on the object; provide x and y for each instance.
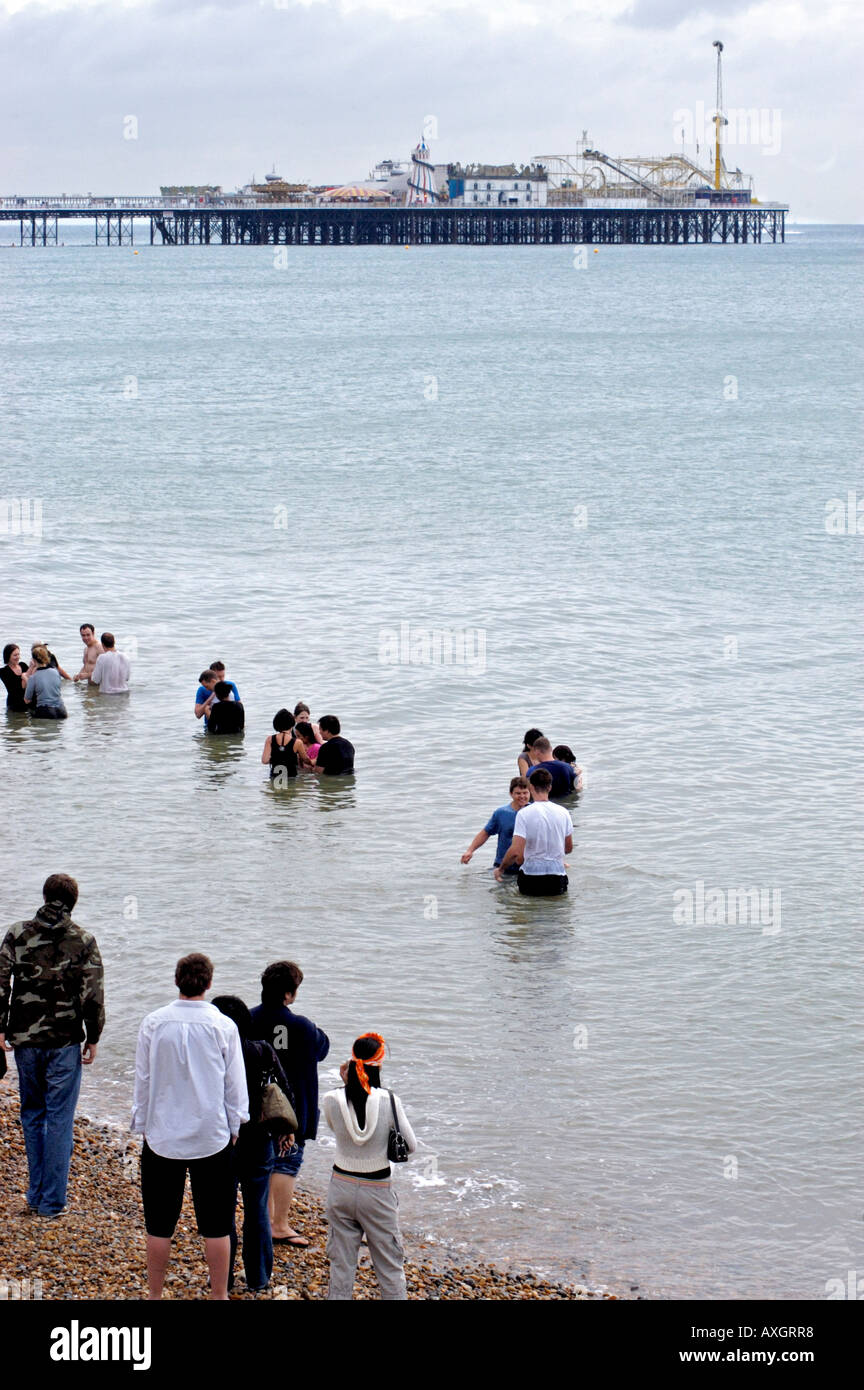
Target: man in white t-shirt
(111, 671)
(542, 835)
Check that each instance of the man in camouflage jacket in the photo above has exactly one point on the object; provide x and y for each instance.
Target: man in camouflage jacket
(51, 1000)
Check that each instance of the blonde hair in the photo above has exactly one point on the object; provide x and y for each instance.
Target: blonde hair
(40, 654)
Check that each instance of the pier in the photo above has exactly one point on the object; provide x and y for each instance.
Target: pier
(114, 224)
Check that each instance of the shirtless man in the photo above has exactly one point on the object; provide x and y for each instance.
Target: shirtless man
(92, 650)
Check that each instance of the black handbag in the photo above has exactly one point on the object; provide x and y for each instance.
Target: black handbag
(397, 1144)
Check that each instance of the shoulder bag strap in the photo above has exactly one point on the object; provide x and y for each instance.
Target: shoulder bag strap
(393, 1108)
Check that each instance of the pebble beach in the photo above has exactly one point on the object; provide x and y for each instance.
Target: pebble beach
(97, 1250)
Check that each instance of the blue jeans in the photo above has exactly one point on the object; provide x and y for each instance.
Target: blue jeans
(49, 1079)
(253, 1180)
(289, 1164)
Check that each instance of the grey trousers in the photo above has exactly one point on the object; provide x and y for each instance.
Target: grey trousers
(357, 1207)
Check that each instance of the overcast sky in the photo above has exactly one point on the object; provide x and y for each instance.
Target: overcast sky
(323, 89)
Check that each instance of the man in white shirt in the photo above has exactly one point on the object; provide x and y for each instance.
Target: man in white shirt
(190, 1101)
(111, 671)
(542, 835)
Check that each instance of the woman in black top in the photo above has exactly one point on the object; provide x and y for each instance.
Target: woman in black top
(254, 1151)
(279, 747)
(13, 674)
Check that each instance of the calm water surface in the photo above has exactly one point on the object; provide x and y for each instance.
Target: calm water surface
(271, 466)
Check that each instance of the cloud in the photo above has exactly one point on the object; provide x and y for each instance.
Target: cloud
(224, 89)
(668, 14)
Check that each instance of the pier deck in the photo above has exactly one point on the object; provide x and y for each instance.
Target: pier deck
(308, 225)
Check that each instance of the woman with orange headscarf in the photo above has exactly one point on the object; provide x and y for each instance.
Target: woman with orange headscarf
(360, 1199)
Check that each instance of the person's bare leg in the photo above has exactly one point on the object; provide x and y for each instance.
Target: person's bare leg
(158, 1255)
(281, 1196)
(217, 1250)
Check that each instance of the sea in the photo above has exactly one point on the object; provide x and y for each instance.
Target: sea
(448, 494)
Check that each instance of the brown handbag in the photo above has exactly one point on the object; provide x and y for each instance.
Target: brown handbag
(277, 1112)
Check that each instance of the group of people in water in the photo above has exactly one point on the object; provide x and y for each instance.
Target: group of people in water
(297, 744)
(534, 831)
(36, 688)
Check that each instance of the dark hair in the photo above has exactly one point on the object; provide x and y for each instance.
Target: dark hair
(107, 639)
(329, 724)
(207, 675)
(301, 707)
(541, 779)
(193, 975)
(232, 1007)
(222, 689)
(518, 782)
(8, 650)
(563, 753)
(354, 1093)
(283, 719)
(91, 627)
(281, 978)
(217, 665)
(60, 888)
(306, 732)
(531, 737)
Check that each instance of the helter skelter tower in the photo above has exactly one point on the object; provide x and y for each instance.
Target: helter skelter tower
(421, 184)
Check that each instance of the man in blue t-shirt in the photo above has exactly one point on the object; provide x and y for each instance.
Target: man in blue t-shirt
(205, 695)
(501, 823)
(563, 774)
(219, 668)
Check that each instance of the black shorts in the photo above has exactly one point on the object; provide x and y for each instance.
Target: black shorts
(163, 1181)
(542, 885)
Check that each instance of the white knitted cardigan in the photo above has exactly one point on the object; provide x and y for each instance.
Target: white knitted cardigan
(364, 1150)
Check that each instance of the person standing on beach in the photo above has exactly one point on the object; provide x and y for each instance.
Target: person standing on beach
(254, 1150)
(51, 1000)
(360, 1199)
(190, 1101)
(92, 650)
(300, 1045)
(542, 835)
(110, 669)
